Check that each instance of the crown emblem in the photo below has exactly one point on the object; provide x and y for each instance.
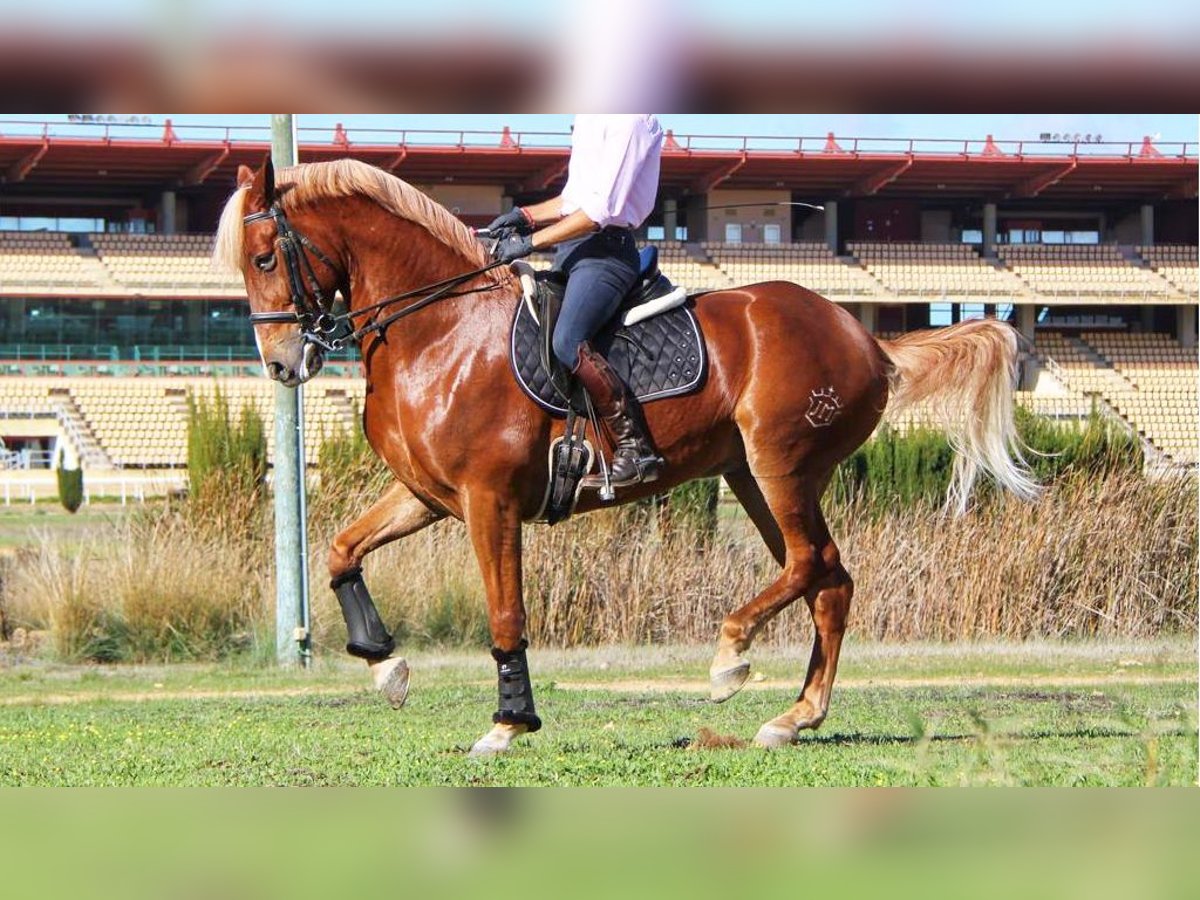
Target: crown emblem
(823, 406)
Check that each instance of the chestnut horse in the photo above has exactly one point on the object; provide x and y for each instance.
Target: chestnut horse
(794, 384)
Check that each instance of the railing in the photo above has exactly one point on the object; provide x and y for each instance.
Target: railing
(88, 455)
(169, 133)
(125, 489)
(143, 353)
(192, 368)
(27, 459)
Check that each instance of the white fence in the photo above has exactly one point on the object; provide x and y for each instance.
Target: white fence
(123, 488)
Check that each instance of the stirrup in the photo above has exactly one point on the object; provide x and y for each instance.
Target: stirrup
(646, 468)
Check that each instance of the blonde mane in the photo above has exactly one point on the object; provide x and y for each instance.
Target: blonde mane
(308, 183)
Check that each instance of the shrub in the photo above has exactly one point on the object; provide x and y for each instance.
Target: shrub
(894, 470)
(351, 478)
(227, 465)
(70, 488)
(689, 512)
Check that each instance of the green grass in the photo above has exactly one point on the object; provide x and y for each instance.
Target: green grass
(913, 715)
(23, 524)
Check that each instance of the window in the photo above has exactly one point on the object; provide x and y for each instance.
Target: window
(972, 236)
(733, 233)
(1024, 235)
(656, 233)
(772, 234)
(50, 223)
(681, 233)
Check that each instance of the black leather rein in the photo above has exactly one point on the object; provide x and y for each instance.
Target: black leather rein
(312, 305)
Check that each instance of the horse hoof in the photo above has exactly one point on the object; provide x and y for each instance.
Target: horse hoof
(773, 735)
(727, 682)
(497, 740)
(391, 680)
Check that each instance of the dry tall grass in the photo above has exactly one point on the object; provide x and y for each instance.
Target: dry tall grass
(1114, 558)
(153, 588)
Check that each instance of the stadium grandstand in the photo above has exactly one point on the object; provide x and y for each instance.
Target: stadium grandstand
(111, 313)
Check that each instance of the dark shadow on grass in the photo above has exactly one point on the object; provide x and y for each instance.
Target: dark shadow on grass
(859, 739)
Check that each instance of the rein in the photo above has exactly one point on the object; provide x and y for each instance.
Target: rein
(317, 323)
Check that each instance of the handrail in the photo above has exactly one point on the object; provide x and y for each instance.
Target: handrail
(92, 456)
(88, 455)
(169, 133)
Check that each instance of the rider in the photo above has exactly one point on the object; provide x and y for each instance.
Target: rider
(612, 181)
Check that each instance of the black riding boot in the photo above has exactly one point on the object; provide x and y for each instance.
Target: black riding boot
(634, 458)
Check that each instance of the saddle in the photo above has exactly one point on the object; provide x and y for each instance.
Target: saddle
(653, 343)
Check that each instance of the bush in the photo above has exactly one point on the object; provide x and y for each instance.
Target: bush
(689, 512)
(1097, 448)
(894, 470)
(227, 465)
(70, 488)
(352, 478)
(153, 589)
(1104, 553)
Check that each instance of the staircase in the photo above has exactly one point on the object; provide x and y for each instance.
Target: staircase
(1100, 361)
(89, 258)
(1130, 255)
(79, 432)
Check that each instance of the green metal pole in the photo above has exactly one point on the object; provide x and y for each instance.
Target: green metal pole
(291, 583)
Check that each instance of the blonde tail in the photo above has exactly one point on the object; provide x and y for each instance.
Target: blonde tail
(963, 377)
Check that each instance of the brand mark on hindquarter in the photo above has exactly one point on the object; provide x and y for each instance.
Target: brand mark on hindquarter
(823, 406)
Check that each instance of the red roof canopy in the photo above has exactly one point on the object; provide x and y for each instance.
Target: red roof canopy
(106, 161)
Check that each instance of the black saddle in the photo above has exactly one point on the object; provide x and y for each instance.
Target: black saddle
(660, 356)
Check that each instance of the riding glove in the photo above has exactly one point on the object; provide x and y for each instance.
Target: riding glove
(512, 247)
(515, 220)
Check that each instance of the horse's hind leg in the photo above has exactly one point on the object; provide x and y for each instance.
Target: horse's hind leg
(396, 514)
(729, 671)
(829, 605)
(811, 568)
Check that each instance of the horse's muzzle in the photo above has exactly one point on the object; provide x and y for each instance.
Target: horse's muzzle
(296, 372)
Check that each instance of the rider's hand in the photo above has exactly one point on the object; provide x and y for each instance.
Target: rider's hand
(512, 247)
(515, 220)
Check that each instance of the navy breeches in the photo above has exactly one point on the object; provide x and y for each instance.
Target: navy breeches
(601, 269)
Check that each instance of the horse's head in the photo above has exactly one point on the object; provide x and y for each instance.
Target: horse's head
(289, 280)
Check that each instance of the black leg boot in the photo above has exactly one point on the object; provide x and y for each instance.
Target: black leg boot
(516, 693)
(634, 458)
(367, 638)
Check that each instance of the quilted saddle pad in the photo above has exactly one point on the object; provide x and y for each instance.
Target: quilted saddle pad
(660, 357)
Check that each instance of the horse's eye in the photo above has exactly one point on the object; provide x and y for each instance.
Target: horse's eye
(265, 262)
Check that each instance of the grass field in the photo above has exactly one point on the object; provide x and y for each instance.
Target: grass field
(23, 524)
(1044, 714)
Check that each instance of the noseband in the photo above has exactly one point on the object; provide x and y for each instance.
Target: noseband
(311, 304)
(312, 307)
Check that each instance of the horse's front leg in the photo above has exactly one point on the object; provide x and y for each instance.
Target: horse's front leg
(394, 515)
(495, 526)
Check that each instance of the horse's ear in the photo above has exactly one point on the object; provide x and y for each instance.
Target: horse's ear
(260, 184)
(268, 181)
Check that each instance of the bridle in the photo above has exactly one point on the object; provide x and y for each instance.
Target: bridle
(312, 307)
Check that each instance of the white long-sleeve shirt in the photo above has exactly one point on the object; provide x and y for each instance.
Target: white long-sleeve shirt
(613, 172)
